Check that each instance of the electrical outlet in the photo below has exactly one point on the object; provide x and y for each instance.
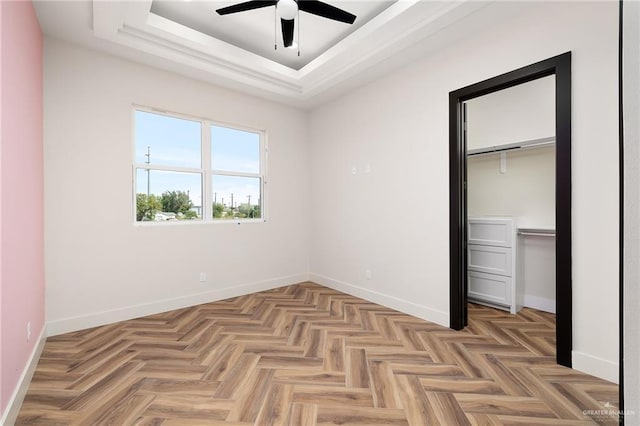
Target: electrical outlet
(28, 331)
(203, 277)
(367, 274)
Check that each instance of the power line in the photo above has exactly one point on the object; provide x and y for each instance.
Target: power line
(148, 155)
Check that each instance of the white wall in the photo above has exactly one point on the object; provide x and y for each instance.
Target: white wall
(631, 97)
(100, 267)
(520, 113)
(537, 271)
(394, 220)
(526, 190)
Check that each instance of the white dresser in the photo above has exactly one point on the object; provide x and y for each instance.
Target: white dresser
(491, 257)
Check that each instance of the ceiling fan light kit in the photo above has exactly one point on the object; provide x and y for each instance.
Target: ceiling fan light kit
(288, 10)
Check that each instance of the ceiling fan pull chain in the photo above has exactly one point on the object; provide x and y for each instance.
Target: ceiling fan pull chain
(275, 28)
(298, 31)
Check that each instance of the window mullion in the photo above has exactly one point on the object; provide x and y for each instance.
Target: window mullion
(239, 174)
(167, 168)
(207, 209)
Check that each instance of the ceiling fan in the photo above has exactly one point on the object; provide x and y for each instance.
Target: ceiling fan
(288, 9)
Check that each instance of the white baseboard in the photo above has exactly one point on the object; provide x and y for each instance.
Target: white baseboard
(595, 366)
(540, 303)
(15, 402)
(67, 325)
(420, 311)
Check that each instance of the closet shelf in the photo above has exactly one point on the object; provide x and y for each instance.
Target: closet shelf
(512, 146)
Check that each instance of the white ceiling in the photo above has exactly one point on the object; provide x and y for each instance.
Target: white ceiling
(239, 55)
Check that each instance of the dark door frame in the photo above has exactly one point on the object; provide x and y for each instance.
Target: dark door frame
(560, 66)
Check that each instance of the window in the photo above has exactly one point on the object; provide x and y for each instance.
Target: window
(195, 170)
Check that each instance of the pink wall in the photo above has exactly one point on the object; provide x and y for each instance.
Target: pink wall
(21, 191)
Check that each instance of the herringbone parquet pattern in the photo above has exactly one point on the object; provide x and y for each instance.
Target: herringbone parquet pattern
(309, 355)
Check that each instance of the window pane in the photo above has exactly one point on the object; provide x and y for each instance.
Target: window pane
(236, 197)
(162, 195)
(168, 141)
(235, 150)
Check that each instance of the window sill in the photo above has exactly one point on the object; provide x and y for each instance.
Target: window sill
(152, 224)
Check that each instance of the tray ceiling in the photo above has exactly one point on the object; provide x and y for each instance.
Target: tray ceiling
(236, 51)
(257, 30)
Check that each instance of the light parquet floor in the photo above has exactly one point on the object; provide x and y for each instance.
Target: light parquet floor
(309, 355)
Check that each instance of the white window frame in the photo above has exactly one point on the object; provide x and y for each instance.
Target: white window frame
(205, 170)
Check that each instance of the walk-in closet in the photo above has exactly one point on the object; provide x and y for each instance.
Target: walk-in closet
(511, 172)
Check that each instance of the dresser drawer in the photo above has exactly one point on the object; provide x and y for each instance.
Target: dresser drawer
(493, 232)
(490, 259)
(495, 289)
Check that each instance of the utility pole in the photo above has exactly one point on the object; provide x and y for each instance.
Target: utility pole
(215, 203)
(249, 197)
(232, 201)
(148, 155)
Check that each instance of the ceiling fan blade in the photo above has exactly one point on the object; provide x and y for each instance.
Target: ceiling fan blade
(287, 31)
(325, 10)
(247, 5)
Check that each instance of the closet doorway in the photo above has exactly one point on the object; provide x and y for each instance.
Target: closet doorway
(496, 232)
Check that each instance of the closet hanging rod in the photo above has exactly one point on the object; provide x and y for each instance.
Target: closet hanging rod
(511, 146)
